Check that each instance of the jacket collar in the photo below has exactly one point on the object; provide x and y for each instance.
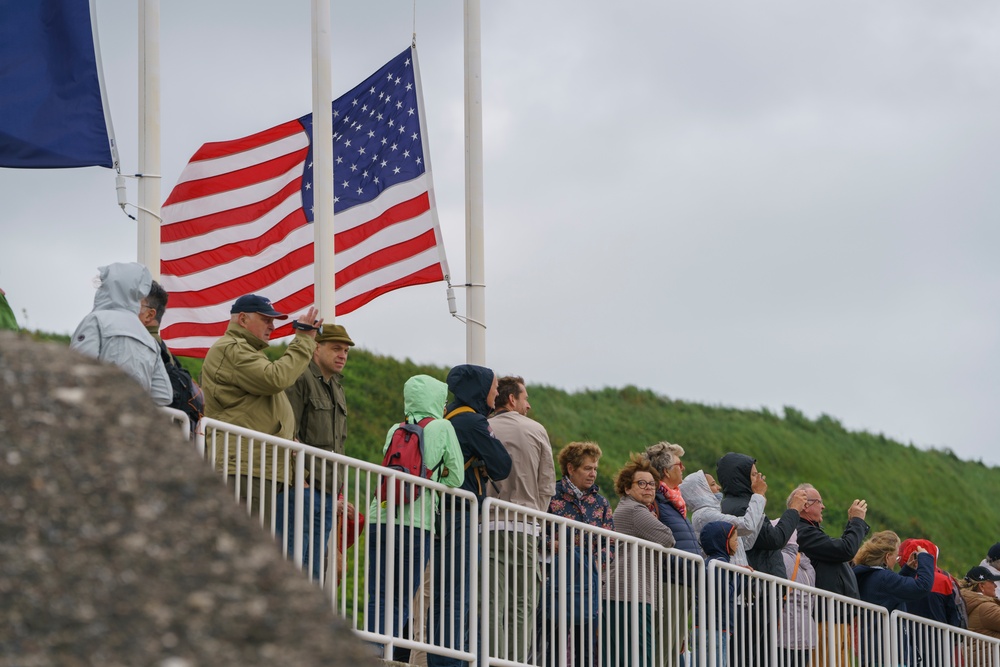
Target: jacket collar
(239, 332)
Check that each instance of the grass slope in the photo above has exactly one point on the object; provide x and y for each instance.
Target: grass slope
(918, 493)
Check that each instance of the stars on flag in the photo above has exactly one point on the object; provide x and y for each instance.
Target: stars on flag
(380, 122)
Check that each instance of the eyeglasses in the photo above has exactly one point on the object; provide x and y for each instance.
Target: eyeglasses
(812, 502)
(643, 484)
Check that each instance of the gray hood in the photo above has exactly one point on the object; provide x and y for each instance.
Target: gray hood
(123, 287)
(697, 493)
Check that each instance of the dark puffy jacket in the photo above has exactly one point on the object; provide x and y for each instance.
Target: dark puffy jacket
(764, 550)
(678, 525)
(715, 543)
(485, 456)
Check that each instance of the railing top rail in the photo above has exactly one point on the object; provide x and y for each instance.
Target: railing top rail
(972, 634)
(819, 592)
(572, 523)
(343, 459)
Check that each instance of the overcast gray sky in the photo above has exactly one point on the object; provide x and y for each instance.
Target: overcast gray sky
(746, 204)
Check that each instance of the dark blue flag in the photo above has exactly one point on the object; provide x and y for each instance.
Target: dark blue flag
(51, 107)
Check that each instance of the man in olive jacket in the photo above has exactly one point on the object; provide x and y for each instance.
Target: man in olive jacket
(320, 410)
(245, 388)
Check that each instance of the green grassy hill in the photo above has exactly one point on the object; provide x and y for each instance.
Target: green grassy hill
(918, 493)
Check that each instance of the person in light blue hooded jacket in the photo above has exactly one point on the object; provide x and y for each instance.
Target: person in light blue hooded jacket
(112, 331)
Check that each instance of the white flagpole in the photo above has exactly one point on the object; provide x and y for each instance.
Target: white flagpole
(475, 270)
(148, 218)
(322, 168)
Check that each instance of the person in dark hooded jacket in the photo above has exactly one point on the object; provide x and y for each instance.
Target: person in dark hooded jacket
(737, 474)
(485, 457)
(739, 478)
(475, 391)
(719, 541)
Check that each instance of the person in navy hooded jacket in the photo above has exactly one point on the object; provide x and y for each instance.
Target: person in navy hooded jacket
(719, 541)
(486, 459)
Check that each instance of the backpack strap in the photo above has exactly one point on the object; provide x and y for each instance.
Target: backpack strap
(457, 411)
(473, 461)
(795, 572)
(440, 468)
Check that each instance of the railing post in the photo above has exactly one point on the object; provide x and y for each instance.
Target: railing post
(300, 469)
(562, 562)
(474, 558)
(633, 573)
(485, 635)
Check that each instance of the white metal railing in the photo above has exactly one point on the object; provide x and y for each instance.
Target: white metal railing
(920, 641)
(557, 591)
(397, 542)
(180, 418)
(573, 593)
(759, 619)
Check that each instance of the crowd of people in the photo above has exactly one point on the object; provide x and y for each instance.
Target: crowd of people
(485, 443)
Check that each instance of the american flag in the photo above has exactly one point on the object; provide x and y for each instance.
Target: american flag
(239, 219)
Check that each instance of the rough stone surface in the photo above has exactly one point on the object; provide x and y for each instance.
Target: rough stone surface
(118, 546)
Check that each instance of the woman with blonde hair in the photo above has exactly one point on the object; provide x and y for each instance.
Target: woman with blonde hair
(879, 584)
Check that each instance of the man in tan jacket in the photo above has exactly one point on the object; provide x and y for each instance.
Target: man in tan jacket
(514, 547)
(245, 388)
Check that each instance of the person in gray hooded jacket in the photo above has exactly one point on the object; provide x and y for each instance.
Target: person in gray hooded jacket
(704, 507)
(112, 331)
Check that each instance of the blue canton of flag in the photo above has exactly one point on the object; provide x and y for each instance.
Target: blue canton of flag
(376, 138)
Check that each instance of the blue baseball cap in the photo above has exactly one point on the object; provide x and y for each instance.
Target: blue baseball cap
(251, 303)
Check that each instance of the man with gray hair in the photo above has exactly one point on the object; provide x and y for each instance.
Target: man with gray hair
(514, 548)
(831, 558)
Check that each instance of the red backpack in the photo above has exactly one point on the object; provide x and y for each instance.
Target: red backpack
(405, 453)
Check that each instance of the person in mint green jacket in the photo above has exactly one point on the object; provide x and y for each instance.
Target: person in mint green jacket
(7, 319)
(423, 397)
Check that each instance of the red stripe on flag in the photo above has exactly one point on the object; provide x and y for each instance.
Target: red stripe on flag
(290, 304)
(249, 284)
(233, 251)
(401, 212)
(234, 180)
(187, 329)
(217, 149)
(385, 257)
(241, 215)
(431, 274)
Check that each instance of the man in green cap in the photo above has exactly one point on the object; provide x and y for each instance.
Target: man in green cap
(320, 410)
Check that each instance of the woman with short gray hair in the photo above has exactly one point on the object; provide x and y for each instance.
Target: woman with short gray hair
(666, 458)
